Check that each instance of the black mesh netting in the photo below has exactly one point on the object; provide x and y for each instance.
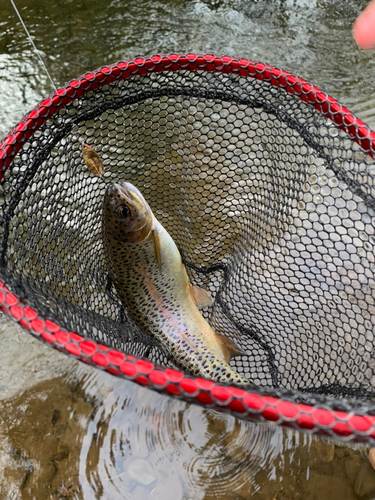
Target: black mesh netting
(271, 204)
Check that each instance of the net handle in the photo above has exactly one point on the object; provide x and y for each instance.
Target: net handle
(308, 93)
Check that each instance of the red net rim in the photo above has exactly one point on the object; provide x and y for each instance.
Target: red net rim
(308, 93)
(248, 404)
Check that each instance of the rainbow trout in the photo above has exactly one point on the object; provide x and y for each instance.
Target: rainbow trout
(147, 271)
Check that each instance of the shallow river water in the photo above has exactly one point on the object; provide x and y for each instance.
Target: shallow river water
(70, 431)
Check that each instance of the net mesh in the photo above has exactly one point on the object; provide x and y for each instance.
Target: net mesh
(270, 202)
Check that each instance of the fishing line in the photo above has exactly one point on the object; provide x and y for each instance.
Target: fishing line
(32, 43)
(90, 156)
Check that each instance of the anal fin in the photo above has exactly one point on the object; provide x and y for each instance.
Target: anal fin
(230, 349)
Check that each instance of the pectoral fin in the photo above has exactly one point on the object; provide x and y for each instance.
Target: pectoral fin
(230, 349)
(200, 296)
(156, 240)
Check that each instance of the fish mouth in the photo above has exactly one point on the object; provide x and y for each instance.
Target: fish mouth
(114, 190)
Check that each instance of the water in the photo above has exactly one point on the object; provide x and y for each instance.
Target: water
(69, 431)
(76, 432)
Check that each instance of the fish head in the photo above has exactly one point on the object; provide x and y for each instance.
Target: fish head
(126, 214)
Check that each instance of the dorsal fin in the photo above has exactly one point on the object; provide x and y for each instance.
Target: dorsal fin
(230, 349)
(156, 240)
(200, 296)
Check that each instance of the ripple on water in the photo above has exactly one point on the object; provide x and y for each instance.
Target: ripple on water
(144, 446)
(131, 443)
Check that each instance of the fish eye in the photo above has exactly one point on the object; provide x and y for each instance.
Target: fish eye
(123, 212)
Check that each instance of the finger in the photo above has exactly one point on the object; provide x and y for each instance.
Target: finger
(364, 27)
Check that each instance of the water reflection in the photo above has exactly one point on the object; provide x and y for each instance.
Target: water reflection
(153, 445)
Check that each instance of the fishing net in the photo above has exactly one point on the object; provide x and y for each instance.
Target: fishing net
(266, 185)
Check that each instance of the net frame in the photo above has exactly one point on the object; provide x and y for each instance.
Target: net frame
(316, 413)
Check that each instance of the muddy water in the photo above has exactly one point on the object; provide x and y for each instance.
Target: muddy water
(68, 431)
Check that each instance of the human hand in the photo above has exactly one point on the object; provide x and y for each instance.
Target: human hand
(364, 27)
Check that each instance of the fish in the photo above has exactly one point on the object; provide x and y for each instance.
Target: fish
(148, 273)
(92, 160)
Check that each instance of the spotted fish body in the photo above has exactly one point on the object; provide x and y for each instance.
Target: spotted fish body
(150, 278)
